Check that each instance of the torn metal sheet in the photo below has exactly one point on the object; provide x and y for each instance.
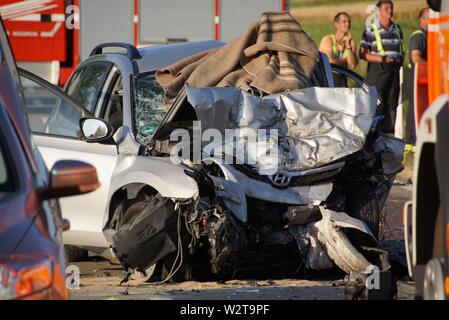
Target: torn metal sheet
(339, 248)
(335, 242)
(313, 254)
(382, 191)
(325, 240)
(392, 150)
(233, 196)
(311, 127)
(341, 219)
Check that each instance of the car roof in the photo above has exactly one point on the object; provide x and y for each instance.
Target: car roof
(157, 57)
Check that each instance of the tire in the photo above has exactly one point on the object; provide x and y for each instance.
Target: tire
(164, 265)
(439, 235)
(184, 272)
(434, 281)
(362, 203)
(133, 211)
(75, 254)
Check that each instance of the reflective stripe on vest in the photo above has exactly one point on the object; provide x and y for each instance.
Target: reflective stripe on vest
(379, 44)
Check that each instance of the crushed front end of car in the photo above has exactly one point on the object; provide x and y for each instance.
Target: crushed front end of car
(305, 194)
(288, 173)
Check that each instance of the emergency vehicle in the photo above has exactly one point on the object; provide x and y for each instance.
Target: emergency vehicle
(50, 37)
(426, 219)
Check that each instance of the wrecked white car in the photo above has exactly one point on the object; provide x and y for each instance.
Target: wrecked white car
(313, 212)
(279, 182)
(281, 173)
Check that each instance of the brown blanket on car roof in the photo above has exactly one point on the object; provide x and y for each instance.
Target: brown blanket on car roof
(273, 55)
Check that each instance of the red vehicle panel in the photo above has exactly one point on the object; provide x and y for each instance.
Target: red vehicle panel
(36, 29)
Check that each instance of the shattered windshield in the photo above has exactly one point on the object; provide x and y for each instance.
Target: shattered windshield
(149, 107)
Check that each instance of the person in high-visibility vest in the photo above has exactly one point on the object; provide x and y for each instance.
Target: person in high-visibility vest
(381, 46)
(417, 50)
(339, 46)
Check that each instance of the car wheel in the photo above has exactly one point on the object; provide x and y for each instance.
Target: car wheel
(434, 281)
(438, 235)
(433, 274)
(144, 276)
(362, 203)
(75, 254)
(165, 267)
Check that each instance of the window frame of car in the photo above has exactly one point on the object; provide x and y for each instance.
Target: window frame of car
(325, 67)
(100, 92)
(354, 76)
(108, 86)
(9, 157)
(122, 64)
(61, 95)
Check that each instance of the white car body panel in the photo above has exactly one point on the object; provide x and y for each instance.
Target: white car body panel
(167, 178)
(160, 174)
(82, 211)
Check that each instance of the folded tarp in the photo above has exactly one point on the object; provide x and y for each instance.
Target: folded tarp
(273, 55)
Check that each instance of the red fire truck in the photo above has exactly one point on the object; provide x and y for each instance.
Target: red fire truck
(50, 37)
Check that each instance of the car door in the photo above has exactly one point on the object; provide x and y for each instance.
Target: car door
(54, 121)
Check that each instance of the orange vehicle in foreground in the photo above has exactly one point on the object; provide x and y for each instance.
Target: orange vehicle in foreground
(426, 219)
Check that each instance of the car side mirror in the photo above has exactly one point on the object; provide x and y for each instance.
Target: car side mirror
(70, 178)
(95, 130)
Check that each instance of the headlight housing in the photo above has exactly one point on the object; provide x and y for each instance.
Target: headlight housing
(23, 275)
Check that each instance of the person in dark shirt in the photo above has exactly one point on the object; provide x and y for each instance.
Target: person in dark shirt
(417, 50)
(381, 46)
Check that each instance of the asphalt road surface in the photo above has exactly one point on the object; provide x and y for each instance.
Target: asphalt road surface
(100, 279)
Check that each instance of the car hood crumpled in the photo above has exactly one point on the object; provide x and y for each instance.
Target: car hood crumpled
(309, 127)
